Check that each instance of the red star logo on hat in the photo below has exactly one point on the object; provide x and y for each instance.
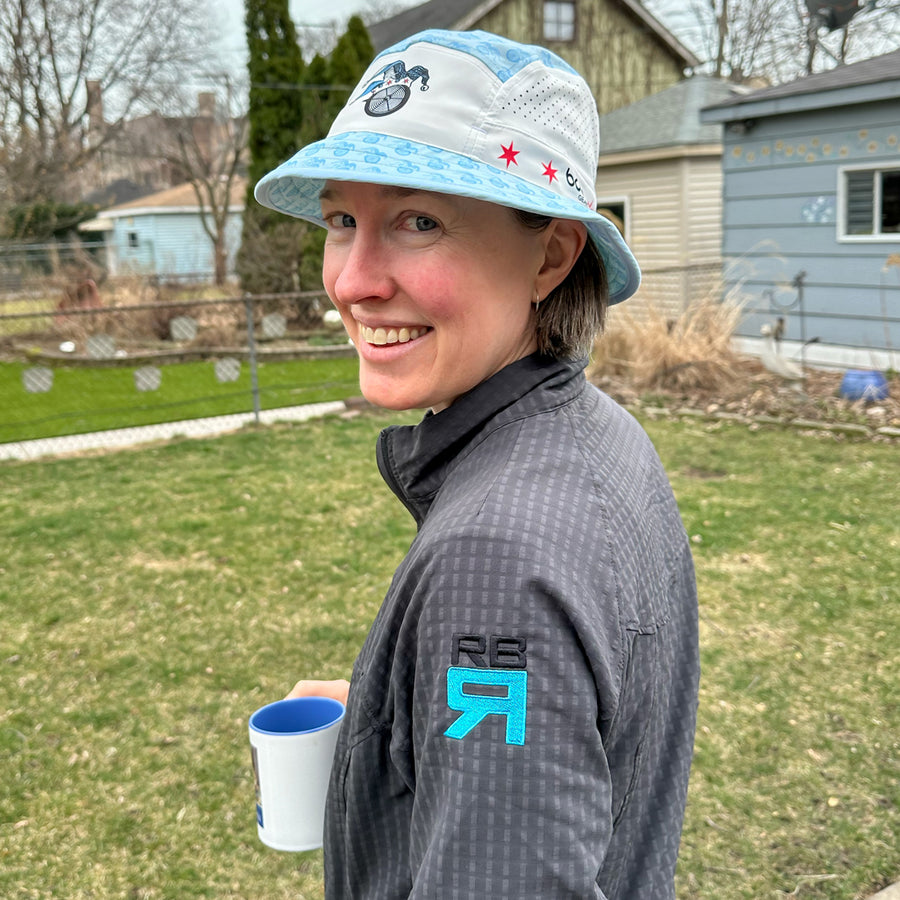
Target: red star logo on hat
(509, 154)
(549, 171)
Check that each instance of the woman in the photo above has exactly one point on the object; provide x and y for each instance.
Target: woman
(520, 719)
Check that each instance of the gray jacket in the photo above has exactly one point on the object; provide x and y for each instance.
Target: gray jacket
(521, 716)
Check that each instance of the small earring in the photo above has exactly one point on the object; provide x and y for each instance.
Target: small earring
(537, 300)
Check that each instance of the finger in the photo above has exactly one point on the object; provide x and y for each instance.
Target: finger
(336, 690)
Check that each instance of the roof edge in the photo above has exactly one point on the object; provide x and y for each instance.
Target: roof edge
(656, 154)
(661, 32)
(481, 10)
(124, 213)
(824, 98)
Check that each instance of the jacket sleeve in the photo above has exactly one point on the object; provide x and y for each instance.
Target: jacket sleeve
(512, 784)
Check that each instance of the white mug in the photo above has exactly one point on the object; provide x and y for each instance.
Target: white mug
(292, 745)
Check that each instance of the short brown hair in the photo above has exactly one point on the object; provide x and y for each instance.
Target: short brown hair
(571, 316)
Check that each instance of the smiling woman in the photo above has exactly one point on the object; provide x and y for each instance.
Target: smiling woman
(426, 267)
(520, 719)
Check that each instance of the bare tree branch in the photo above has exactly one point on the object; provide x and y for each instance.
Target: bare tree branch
(50, 49)
(208, 148)
(776, 40)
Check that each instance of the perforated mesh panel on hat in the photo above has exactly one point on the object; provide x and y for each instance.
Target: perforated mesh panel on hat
(541, 104)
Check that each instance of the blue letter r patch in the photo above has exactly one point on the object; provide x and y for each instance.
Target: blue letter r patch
(475, 707)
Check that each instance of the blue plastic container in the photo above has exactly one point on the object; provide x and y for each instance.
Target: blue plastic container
(861, 384)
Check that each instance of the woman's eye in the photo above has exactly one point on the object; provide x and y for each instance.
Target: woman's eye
(340, 220)
(421, 223)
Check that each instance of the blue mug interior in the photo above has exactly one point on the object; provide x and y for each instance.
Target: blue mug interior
(297, 715)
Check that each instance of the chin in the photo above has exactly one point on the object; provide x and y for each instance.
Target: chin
(394, 400)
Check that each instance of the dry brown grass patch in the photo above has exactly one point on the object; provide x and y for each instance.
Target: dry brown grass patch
(656, 351)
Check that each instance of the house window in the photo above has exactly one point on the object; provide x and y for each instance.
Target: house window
(133, 239)
(616, 211)
(559, 20)
(870, 202)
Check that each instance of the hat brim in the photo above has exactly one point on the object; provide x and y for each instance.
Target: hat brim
(295, 186)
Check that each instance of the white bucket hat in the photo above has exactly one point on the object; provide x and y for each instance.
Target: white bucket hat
(471, 114)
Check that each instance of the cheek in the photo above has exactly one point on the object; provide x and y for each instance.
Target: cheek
(331, 269)
(352, 329)
(443, 292)
(330, 274)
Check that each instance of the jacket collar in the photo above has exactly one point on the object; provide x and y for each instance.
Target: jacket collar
(415, 460)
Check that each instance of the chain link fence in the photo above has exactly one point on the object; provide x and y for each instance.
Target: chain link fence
(669, 290)
(79, 361)
(25, 267)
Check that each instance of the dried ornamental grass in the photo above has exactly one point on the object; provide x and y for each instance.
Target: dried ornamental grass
(692, 351)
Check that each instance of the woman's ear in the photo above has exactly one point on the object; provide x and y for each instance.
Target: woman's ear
(564, 239)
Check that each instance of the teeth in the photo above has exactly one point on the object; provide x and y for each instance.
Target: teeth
(382, 336)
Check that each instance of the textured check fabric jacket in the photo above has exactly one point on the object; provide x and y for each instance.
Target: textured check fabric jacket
(521, 716)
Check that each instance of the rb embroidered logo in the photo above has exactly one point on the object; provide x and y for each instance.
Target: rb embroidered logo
(507, 660)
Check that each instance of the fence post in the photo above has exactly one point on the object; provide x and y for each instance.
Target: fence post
(798, 283)
(251, 345)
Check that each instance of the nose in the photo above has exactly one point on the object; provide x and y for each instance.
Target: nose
(362, 269)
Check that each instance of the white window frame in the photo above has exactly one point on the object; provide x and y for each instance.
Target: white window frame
(556, 23)
(608, 200)
(875, 237)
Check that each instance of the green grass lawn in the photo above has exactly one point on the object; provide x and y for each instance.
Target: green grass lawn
(153, 598)
(95, 399)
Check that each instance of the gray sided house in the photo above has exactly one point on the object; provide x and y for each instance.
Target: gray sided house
(811, 212)
(162, 234)
(660, 175)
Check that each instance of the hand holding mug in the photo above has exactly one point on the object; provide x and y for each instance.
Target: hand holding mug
(292, 744)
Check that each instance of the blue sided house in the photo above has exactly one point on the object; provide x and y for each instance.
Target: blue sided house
(811, 212)
(163, 234)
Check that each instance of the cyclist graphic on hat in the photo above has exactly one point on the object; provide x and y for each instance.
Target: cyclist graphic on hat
(391, 89)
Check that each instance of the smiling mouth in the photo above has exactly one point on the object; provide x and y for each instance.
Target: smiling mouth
(382, 336)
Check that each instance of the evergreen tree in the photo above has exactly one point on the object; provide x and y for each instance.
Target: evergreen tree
(317, 100)
(280, 254)
(272, 244)
(335, 78)
(352, 53)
